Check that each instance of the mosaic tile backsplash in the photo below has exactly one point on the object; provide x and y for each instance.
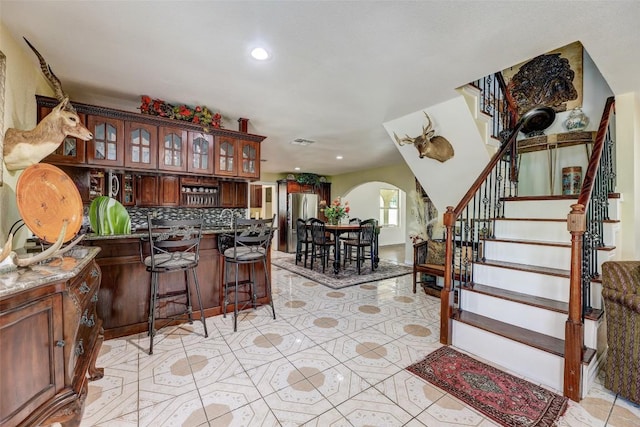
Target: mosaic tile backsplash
(213, 217)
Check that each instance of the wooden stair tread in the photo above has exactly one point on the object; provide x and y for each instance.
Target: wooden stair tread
(515, 333)
(527, 299)
(542, 243)
(551, 197)
(534, 301)
(526, 267)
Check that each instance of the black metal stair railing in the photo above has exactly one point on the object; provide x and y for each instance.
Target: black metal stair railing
(494, 102)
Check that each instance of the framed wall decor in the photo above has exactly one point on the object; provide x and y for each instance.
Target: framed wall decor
(553, 79)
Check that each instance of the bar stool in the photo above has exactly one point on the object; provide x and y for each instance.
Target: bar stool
(251, 245)
(174, 247)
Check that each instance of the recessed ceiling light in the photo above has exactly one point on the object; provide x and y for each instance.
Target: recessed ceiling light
(260, 54)
(296, 168)
(339, 157)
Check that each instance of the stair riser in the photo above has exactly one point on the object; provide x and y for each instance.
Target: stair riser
(536, 255)
(540, 285)
(550, 209)
(525, 316)
(535, 365)
(547, 231)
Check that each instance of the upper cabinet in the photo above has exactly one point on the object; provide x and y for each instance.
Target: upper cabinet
(225, 158)
(141, 145)
(200, 153)
(72, 150)
(173, 149)
(107, 146)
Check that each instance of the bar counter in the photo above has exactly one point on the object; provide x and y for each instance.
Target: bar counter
(123, 304)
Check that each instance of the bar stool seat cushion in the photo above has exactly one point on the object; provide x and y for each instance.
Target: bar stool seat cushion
(245, 253)
(174, 260)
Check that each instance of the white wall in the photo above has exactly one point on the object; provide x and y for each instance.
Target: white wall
(445, 183)
(364, 203)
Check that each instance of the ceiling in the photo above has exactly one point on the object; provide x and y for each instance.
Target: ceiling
(338, 70)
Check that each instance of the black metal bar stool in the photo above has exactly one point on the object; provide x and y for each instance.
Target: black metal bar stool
(251, 245)
(174, 247)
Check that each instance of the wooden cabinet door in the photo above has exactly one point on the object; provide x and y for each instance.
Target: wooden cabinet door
(147, 186)
(71, 150)
(141, 146)
(169, 190)
(107, 146)
(249, 157)
(227, 194)
(128, 190)
(256, 196)
(172, 154)
(225, 156)
(242, 192)
(31, 339)
(200, 153)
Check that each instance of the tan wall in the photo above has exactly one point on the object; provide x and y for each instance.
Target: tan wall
(628, 172)
(23, 81)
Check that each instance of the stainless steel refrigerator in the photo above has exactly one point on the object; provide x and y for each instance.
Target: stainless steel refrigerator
(301, 205)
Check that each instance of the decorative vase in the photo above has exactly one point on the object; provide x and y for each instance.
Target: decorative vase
(577, 120)
(333, 221)
(571, 180)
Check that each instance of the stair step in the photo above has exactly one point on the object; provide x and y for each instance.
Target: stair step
(558, 272)
(532, 300)
(525, 336)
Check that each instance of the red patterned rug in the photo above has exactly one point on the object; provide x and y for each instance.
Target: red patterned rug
(507, 400)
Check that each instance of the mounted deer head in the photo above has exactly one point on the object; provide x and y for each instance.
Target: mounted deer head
(23, 148)
(428, 144)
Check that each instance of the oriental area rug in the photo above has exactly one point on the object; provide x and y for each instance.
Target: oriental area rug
(508, 400)
(346, 276)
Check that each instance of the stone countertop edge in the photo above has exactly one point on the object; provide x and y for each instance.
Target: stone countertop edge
(142, 234)
(54, 270)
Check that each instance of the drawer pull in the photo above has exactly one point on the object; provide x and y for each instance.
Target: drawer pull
(89, 321)
(94, 298)
(60, 343)
(84, 288)
(94, 273)
(79, 351)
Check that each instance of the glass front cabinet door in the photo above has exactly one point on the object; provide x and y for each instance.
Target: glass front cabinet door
(173, 149)
(200, 154)
(141, 146)
(107, 146)
(225, 158)
(250, 159)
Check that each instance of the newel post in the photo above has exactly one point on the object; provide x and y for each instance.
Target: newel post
(446, 297)
(574, 328)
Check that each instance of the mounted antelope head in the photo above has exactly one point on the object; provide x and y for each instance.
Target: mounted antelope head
(428, 144)
(23, 148)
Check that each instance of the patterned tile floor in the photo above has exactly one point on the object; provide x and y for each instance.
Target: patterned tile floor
(332, 358)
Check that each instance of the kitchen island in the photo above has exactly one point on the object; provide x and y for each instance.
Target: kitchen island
(124, 295)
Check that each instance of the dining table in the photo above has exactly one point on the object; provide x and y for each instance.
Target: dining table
(337, 229)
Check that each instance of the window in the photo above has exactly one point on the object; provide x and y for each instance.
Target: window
(389, 207)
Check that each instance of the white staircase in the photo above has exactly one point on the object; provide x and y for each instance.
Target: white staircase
(514, 314)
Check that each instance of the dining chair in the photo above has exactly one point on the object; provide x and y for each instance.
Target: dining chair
(303, 240)
(351, 235)
(364, 243)
(321, 242)
(249, 245)
(174, 247)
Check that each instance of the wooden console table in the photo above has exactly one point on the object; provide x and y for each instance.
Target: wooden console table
(551, 143)
(50, 337)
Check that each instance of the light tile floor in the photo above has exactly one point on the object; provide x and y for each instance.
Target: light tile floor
(332, 358)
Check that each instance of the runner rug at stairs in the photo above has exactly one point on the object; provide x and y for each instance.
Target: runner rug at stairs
(345, 277)
(506, 399)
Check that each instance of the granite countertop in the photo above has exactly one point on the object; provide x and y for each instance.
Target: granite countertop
(54, 270)
(138, 233)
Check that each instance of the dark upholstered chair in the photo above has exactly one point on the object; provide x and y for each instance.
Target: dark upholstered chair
(621, 295)
(174, 247)
(321, 243)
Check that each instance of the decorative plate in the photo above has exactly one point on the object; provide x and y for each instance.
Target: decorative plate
(108, 217)
(47, 197)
